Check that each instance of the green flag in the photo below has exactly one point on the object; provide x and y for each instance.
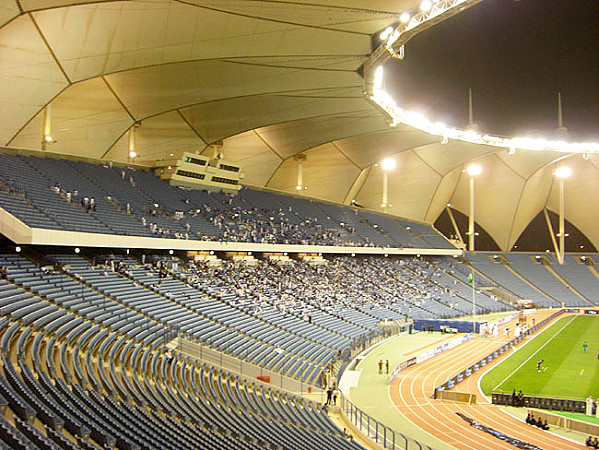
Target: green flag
(469, 279)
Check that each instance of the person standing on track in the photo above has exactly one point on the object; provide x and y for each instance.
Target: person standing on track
(539, 362)
(585, 346)
(380, 366)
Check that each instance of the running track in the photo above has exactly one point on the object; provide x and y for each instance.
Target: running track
(411, 393)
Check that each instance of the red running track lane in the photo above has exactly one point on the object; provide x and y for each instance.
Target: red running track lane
(411, 393)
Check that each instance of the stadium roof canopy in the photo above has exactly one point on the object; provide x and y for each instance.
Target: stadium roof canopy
(270, 79)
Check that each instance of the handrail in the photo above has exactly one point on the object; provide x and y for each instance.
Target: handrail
(377, 431)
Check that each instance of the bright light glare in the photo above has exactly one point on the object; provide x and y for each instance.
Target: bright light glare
(18, 249)
(132, 154)
(386, 33)
(474, 169)
(388, 164)
(418, 121)
(298, 187)
(48, 138)
(404, 18)
(426, 5)
(77, 250)
(378, 78)
(562, 172)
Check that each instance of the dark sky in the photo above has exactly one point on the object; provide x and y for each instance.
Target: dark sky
(516, 56)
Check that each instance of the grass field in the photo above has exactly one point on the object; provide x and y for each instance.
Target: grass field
(566, 372)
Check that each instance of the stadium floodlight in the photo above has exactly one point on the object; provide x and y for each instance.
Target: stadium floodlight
(77, 250)
(386, 33)
(170, 252)
(563, 172)
(426, 5)
(388, 164)
(18, 249)
(132, 154)
(474, 170)
(415, 120)
(405, 17)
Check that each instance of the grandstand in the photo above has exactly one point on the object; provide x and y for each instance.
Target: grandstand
(199, 237)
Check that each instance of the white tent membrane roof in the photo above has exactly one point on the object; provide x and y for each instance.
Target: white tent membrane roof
(270, 79)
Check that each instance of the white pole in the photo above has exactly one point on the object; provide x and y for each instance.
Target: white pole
(385, 190)
(132, 139)
(300, 174)
(473, 303)
(471, 245)
(471, 217)
(46, 126)
(562, 235)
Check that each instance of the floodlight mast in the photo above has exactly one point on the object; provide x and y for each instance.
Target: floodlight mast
(393, 46)
(409, 26)
(473, 170)
(562, 173)
(387, 164)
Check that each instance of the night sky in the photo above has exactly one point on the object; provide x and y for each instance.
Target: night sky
(516, 56)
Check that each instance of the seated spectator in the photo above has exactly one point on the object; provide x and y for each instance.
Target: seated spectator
(533, 421)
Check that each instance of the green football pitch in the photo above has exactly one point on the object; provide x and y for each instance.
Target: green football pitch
(566, 371)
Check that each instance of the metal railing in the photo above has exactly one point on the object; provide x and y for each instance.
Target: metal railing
(245, 369)
(377, 431)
